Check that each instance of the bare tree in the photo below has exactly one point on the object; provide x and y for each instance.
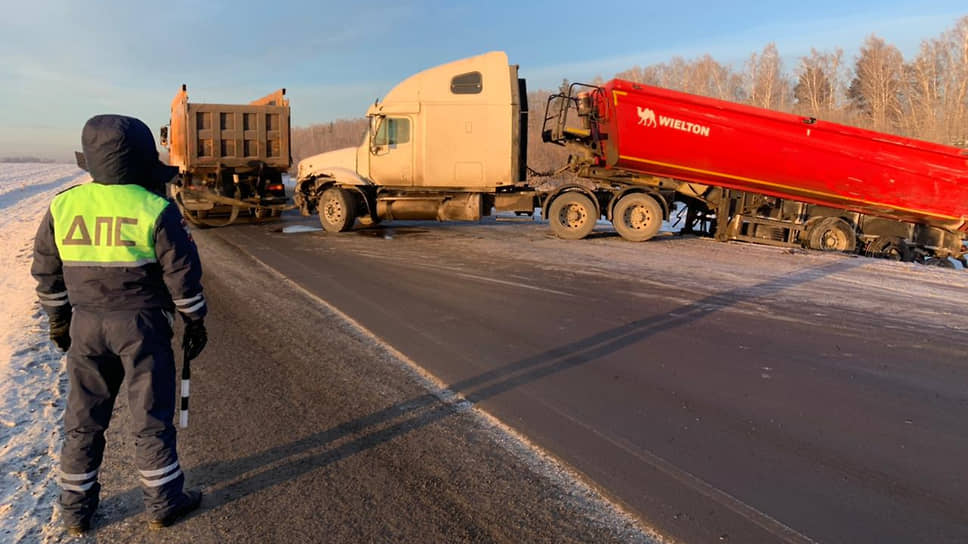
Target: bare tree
(766, 86)
(922, 97)
(956, 84)
(308, 141)
(633, 74)
(710, 78)
(819, 84)
(703, 76)
(875, 91)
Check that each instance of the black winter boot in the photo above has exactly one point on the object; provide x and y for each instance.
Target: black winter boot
(190, 502)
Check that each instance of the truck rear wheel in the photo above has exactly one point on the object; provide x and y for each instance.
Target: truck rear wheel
(832, 234)
(572, 216)
(637, 217)
(337, 209)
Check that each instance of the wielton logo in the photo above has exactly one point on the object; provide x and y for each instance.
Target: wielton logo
(646, 116)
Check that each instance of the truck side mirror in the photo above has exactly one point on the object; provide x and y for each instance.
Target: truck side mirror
(164, 136)
(377, 139)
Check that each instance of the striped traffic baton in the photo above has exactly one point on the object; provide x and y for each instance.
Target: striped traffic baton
(186, 379)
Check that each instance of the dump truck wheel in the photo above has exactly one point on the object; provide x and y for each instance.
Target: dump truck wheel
(337, 210)
(572, 216)
(637, 217)
(832, 234)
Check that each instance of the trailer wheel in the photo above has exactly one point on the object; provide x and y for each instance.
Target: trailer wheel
(337, 210)
(637, 217)
(572, 216)
(891, 247)
(832, 234)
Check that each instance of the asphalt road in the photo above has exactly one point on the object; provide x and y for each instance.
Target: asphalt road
(716, 392)
(304, 428)
(772, 410)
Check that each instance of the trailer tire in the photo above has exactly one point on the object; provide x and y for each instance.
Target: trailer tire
(893, 248)
(572, 216)
(337, 209)
(637, 217)
(832, 234)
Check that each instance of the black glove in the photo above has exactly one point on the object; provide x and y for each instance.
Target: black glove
(195, 338)
(60, 328)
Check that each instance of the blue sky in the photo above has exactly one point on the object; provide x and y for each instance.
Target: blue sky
(62, 61)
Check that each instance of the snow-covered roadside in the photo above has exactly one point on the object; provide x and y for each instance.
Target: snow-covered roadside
(33, 384)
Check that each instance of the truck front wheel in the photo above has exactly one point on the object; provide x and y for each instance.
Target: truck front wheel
(337, 209)
(572, 216)
(637, 217)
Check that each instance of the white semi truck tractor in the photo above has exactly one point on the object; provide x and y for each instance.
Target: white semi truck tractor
(448, 144)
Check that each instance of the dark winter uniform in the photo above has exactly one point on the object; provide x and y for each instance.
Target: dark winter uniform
(120, 256)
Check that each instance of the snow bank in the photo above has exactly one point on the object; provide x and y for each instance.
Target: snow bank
(33, 384)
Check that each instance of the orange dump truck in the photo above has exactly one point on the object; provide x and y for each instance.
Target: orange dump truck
(231, 158)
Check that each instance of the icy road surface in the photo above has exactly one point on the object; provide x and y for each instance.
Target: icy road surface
(721, 391)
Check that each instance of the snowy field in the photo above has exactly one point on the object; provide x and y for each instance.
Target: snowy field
(33, 384)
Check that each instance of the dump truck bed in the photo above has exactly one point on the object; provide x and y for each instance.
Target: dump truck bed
(672, 134)
(210, 136)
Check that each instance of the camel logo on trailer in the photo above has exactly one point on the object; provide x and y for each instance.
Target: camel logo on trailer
(647, 117)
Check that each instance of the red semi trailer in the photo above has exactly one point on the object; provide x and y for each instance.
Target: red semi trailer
(753, 174)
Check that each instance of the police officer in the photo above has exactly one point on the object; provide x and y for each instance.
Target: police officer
(113, 260)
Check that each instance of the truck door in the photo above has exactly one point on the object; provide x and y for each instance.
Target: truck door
(391, 152)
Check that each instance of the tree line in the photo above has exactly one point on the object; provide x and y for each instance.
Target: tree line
(925, 97)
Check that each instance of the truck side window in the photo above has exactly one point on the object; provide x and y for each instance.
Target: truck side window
(469, 83)
(392, 131)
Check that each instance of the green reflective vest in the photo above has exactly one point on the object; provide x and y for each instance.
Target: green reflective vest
(106, 225)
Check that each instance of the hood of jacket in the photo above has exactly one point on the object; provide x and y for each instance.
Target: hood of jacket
(120, 150)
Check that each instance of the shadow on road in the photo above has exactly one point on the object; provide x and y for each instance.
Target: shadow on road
(230, 480)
